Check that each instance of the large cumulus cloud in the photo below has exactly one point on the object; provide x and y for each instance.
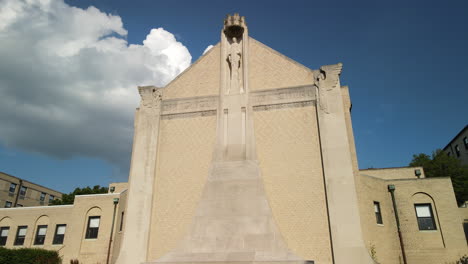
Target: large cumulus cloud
(68, 78)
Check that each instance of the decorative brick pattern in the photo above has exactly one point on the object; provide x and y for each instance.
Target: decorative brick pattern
(185, 152)
(268, 69)
(289, 156)
(200, 79)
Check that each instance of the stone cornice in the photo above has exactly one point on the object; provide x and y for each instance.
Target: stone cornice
(264, 99)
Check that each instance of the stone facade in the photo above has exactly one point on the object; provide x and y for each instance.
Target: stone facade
(248, 156)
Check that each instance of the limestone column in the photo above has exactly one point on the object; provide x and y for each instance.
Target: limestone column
(142, 173)
(346, 233)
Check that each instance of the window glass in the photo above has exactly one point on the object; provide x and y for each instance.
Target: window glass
(40, 235)
(43, 196)
(23, 191)
(465, 141)
(94, 222)
(51, 198)
(59, 234)
(121, 221)
(20, 235)
(12, 187)
(378, 213)
(8, 204)
(93, 227)
(4, 235)
(425, 217)
(423, 211)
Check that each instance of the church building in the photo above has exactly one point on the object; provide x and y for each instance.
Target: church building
(249, 157)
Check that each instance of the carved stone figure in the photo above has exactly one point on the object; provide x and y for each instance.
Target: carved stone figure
(151, 97)
(234, 59)
(326, 81)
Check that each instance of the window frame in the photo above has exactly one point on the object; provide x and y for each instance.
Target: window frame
(59, 238)
(457, 151)
(432, 218)
(40, 239)
(51, 198)
(4, 239)
(19, 240)
(42, 196)
(92, 232)
(378, 213)
(22, 194)
(10, 203)
(14, 189)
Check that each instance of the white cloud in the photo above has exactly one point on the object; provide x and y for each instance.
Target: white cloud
(68, 80)
(207, 49)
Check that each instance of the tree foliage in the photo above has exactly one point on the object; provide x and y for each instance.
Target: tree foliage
(439, 164)
(70, 198)
(29, 256)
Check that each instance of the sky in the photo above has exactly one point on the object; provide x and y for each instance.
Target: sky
(69, 72)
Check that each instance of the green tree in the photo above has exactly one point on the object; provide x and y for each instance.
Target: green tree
(439, 164)
(70, 198)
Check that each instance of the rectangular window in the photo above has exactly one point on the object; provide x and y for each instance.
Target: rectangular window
(425, 217)
(22, 192)
(59, 234)
(378, 213)
(457, 150)
(12, 187)
(51, 198)
(20, 235)
(42, 198)
(121, 221)
(40, 235)
(4, 235)
(8, 204)
(93, 227)
(465, 142)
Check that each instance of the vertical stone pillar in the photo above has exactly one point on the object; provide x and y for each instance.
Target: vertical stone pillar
(345, 223)
(142, 172)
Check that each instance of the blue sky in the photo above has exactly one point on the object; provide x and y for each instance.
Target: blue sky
(405, 65)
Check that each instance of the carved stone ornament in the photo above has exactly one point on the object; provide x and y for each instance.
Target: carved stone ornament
(151, 97)
(326, 81)
(234, 26)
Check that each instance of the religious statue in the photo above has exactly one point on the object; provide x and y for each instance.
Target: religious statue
(234, 59)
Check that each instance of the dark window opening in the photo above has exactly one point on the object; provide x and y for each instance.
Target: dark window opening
(378, 213)
(20, 235)
(51, 198)
(12, 187)
(42, 198)
(8, 204)
(457, 150)
(121, 221)
(4, 235)
(425, 217)
(465, 142)
(93, 227)
(22, 192)
(59, 234)
(40, 235)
